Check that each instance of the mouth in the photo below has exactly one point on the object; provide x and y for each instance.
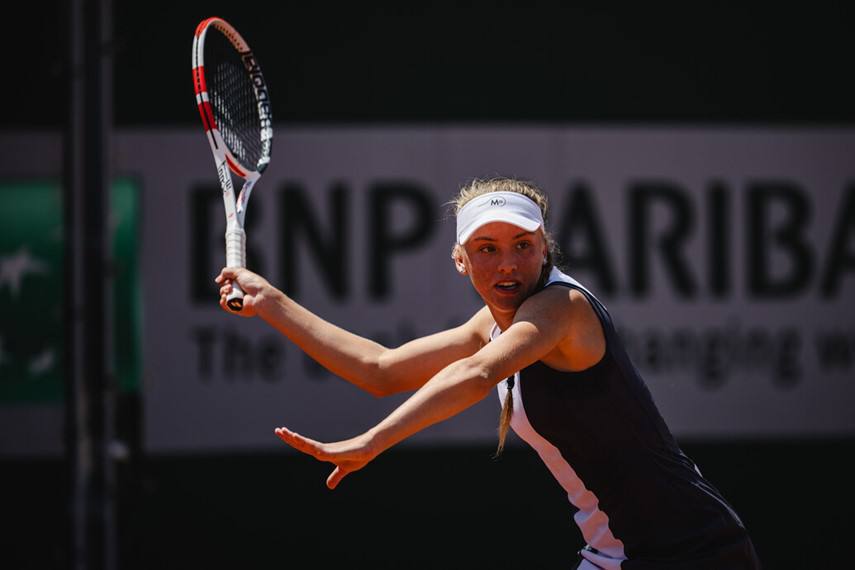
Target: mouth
(507, 286)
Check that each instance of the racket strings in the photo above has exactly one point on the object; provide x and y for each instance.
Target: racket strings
(233, 101)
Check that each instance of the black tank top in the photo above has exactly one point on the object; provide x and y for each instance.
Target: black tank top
(639, 501)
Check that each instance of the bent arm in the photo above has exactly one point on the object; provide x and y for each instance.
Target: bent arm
(363, 362)
(366, 364)
(538, 329)
(455, 388)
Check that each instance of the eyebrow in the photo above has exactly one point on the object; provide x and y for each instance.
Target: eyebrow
(494, 239)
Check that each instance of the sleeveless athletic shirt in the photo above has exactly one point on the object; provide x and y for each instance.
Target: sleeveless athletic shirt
(640, 502)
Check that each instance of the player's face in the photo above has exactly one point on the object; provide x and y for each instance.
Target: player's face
(504, 263)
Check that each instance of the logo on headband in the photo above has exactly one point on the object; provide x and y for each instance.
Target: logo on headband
(500, 201)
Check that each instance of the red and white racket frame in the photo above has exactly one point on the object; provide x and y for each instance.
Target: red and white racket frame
(224, 159)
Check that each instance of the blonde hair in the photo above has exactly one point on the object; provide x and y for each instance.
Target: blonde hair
(479, 187)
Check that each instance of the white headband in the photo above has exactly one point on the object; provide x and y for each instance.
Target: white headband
(510, 207)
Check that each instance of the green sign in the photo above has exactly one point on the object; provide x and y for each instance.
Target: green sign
(32, 290)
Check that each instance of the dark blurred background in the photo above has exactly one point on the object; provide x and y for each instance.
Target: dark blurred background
(470, 62)
(447, 63)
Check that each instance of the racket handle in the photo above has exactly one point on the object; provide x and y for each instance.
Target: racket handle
(235, 257)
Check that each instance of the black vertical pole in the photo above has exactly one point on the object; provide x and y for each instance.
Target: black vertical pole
(89, 384)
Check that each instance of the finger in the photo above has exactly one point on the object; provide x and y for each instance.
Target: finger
(300, 443)
(335, 477)
(293, 440)
(227, 273)
(226, 289)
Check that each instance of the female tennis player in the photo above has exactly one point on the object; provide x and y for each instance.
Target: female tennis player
(567, 385)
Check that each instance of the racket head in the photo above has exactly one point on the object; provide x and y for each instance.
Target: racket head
(232, 97)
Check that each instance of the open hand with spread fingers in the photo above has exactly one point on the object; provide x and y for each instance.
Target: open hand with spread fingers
(348, 456)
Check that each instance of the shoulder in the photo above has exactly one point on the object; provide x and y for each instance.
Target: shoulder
(567, 301)
(564, 308)
(566, 315)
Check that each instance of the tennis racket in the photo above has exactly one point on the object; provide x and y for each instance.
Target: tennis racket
(234, 104)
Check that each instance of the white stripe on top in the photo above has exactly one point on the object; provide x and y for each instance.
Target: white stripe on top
(592, 522)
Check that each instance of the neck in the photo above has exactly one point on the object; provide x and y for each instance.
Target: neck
(506, 319)
(503, 320)
(544, 275)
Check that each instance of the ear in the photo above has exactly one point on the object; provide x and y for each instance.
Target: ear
(459, 263)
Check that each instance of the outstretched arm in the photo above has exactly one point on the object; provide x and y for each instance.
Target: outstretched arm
(454, 389)
(537, 331)
(368, 365)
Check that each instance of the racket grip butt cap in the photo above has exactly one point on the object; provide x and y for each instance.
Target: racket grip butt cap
(235, 299)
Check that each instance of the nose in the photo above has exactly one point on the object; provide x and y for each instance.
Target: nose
(508, 264)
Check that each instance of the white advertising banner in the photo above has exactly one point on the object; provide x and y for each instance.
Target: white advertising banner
(726, 257)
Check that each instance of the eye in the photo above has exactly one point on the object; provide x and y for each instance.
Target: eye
(524, 245)
(486, 249)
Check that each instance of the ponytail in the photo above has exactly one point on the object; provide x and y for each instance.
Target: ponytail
(505, 416)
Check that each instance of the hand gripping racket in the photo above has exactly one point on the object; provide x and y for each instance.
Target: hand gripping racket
(235, 108)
